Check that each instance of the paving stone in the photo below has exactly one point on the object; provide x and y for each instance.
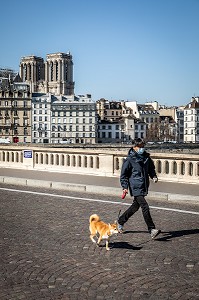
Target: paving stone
(46, 253)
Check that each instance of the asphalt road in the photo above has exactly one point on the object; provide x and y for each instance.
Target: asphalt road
(164, 187)
(46, 252)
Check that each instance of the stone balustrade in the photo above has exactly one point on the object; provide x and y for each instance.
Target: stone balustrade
(177, 167)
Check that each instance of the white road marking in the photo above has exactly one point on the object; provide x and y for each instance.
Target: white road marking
(99, 200)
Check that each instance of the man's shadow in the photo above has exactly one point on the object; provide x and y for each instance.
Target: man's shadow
(167, 235)
(178, 233)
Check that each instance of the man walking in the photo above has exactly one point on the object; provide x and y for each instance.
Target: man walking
(135, 173)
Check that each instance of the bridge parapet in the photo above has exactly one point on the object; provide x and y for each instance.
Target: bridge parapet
(178, 167)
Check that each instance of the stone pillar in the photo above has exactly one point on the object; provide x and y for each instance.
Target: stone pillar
(106, 164)
(186, 168)
(46, 71)
(22, 72)
(34, 72)
(95, 162)
(28, 72)
(195, 166)
(54, 71)
(28, 159)
(59, 70)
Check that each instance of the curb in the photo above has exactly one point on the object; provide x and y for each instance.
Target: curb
(94, 189)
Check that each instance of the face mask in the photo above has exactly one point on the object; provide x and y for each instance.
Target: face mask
(140, 150)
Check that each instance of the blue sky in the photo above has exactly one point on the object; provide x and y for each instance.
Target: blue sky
(143, 50)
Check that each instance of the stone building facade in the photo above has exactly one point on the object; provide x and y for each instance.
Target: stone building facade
(191, 121)
(15, 113)
(74, 119)
(41, 118)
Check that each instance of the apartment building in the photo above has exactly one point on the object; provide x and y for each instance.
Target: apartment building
(191, 121)
(116, 131)
(74, 119)
(15, 111)
(109, 110)
(140, 129)
(41, 117)
(180, 124)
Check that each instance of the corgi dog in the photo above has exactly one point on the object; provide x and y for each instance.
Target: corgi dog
(104, 230)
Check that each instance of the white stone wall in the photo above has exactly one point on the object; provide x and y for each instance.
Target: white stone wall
(97, 161)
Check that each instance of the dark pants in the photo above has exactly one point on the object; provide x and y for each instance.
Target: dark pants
(139, 201)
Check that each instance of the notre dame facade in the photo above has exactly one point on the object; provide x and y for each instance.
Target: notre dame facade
(55, 75)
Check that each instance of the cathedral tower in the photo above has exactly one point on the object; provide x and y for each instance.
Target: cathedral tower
(54, 76)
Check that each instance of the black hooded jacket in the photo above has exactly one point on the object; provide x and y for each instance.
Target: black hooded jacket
(136, 171)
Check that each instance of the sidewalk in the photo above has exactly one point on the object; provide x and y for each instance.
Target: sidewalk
(95, 184)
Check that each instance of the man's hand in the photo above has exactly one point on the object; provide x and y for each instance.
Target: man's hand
(125, 191)
(155, 179)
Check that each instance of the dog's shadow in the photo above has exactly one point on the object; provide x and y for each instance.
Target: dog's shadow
(124, 245)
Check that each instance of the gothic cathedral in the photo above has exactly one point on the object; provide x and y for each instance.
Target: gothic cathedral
(54, 76)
